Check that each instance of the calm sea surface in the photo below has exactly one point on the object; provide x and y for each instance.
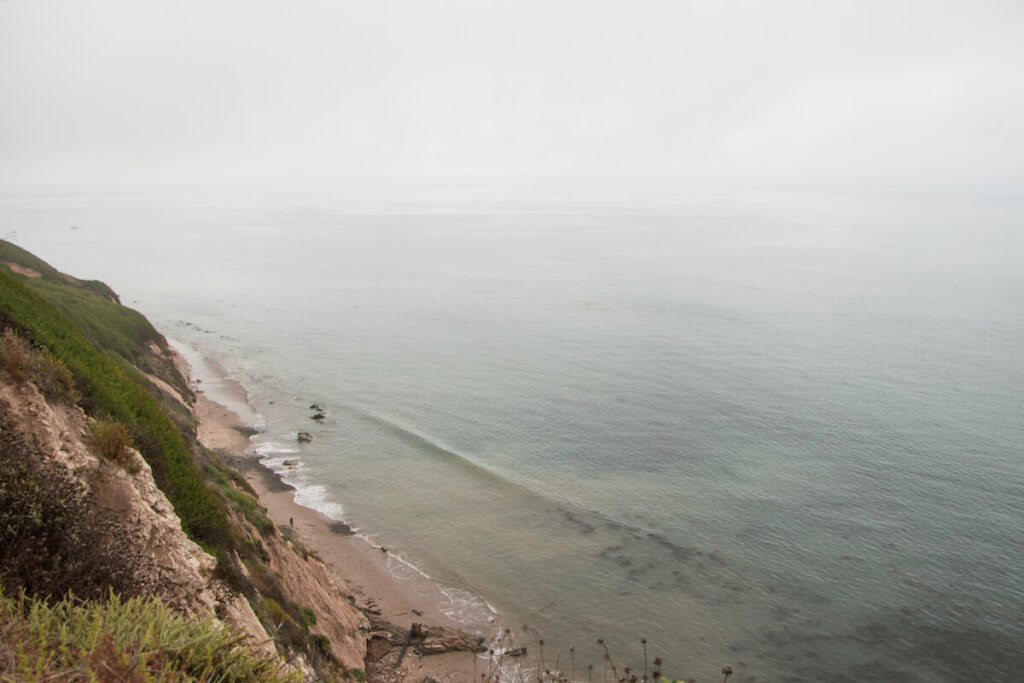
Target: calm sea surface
(784, 433)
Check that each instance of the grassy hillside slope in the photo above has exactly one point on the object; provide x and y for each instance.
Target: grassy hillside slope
(96, 312)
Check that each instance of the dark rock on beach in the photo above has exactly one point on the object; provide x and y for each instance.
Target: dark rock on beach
(378, 644)
(271, 480)
(305, 437)
(391, 641)
(438, 639)
(340, 528)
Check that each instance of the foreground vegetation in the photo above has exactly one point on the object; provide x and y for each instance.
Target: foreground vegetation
(138, 640)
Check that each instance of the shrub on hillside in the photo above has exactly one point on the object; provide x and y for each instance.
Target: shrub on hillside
(112, 441)
(14, 354)
(250, 508)
(23, 362)
(53, 377)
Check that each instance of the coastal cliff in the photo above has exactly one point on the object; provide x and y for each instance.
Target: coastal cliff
(105, 487)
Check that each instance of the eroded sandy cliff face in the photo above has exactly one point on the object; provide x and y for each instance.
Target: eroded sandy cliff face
(309, 582)
(138, 519)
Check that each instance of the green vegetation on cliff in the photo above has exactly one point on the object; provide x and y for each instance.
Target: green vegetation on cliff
(139, 639)
(95, 311)
(108, 391)
(13, 254)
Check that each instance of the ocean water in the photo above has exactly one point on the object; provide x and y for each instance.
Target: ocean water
(780, 432)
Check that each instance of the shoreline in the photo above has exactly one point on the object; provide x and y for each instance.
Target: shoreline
(358, 566)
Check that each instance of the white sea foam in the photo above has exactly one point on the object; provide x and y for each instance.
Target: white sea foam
(465, 607)
(271, 448)
(275, 455)
(317, 497)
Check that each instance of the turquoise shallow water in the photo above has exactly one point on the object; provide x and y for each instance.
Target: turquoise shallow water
(778, 430)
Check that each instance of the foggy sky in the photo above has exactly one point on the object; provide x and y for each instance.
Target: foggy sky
(921, 96)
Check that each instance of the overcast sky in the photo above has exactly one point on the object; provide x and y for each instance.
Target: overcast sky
(923, 96)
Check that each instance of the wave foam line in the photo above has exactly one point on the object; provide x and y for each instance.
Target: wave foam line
(463, 605)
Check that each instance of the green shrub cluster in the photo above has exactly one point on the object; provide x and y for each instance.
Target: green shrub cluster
(275, 612)
(139, 639)
(305, 613)
(108, 390)
(302, 615)
(250, 508)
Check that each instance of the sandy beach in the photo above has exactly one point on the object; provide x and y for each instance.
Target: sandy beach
(359, 567)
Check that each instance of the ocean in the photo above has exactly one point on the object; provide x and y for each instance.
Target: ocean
(777, 431)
